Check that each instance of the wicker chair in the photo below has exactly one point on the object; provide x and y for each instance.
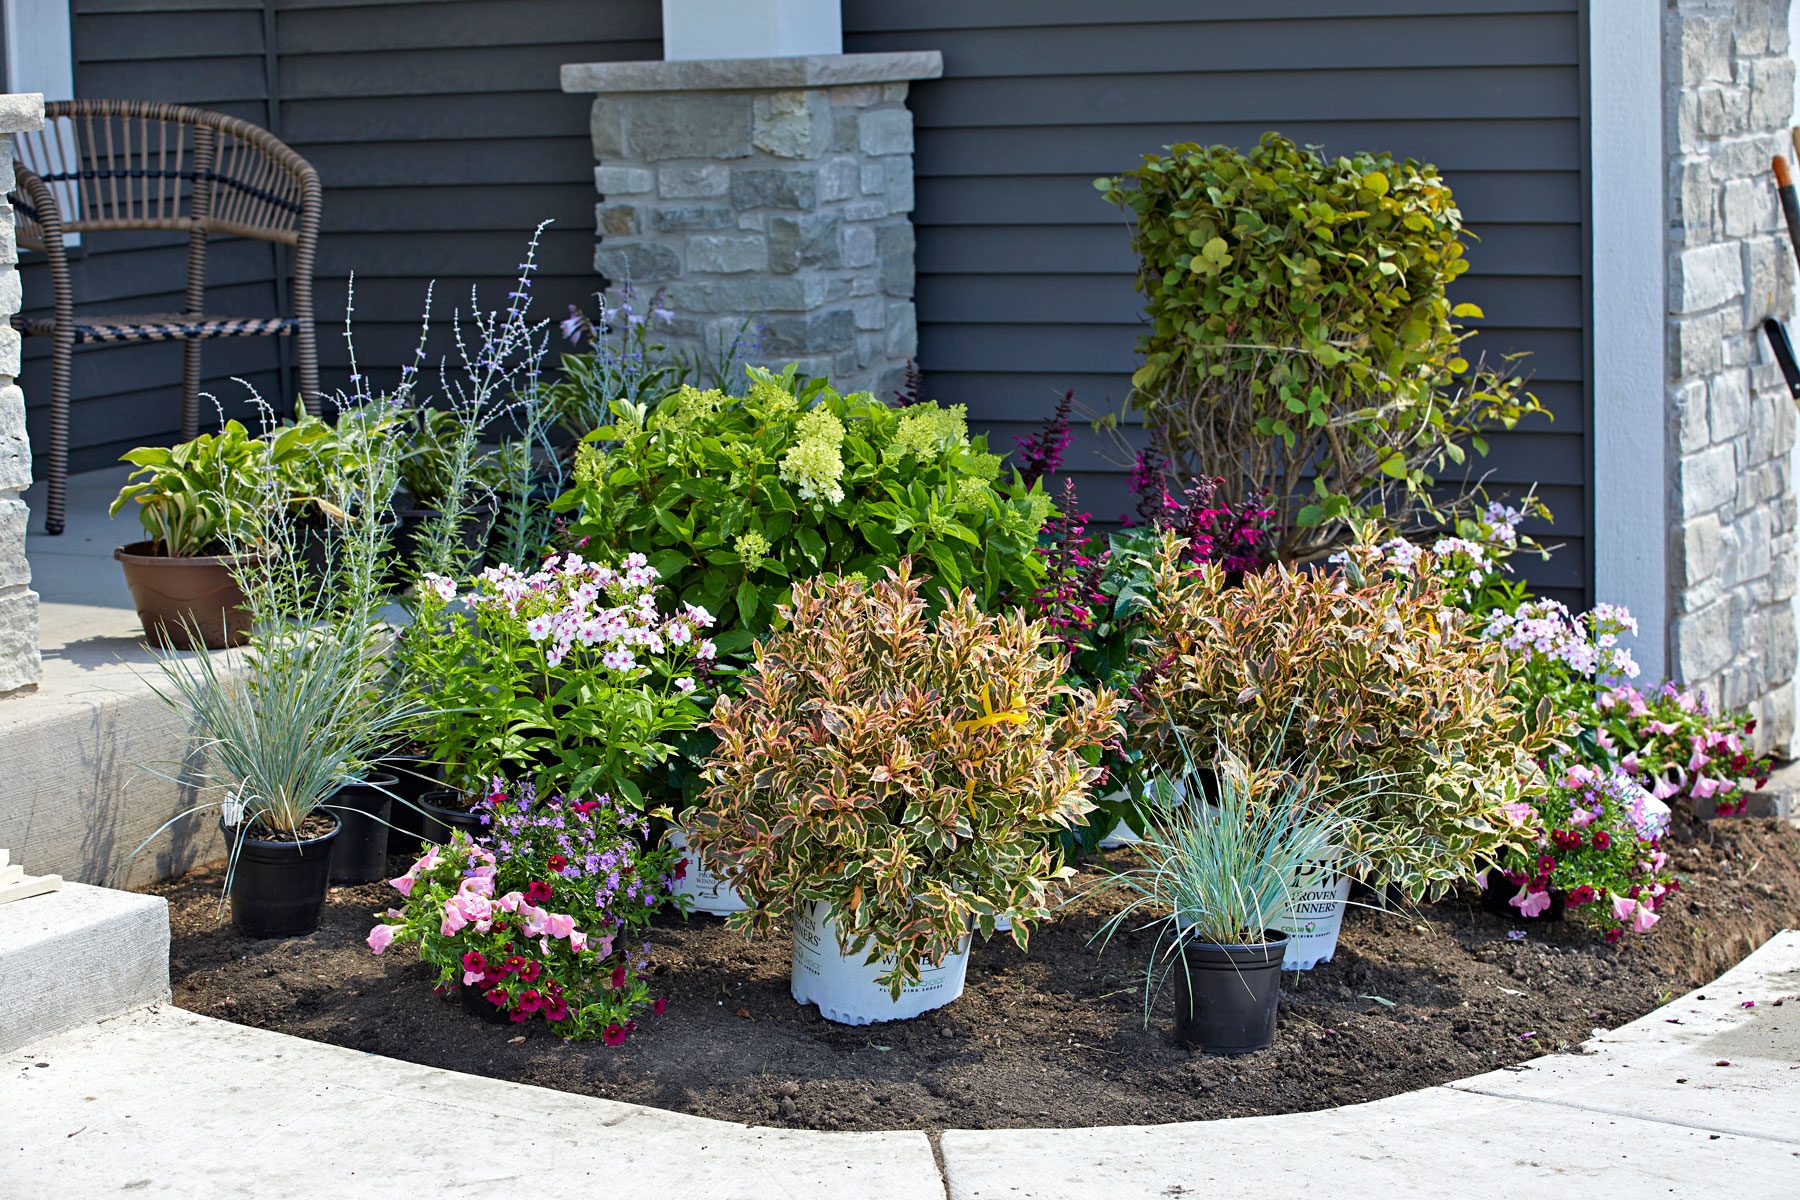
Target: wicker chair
(137, 165)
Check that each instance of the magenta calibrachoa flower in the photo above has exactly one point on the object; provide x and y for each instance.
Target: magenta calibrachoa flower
(544, 915)
(571, 672)
(1673, 741)
(1596, 841)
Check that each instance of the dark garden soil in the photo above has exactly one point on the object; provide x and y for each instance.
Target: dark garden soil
(1051, 1037)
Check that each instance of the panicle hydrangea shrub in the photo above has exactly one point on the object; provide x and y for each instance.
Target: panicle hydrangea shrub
(1595, 839)
(544, 915)
(908, 771)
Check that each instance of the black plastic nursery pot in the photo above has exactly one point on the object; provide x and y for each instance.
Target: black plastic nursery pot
(359, 853)
(278, 887)
(1497, 894)
(1225, 996)
(475, 1003)
(414, 775)
(447, 809)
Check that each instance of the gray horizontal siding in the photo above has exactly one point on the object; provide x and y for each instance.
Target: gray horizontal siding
(1025, 274)
(441, 135)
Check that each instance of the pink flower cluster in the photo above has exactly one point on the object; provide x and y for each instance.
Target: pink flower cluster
(1587, 644)
(1672, 740)
(474, 906)
(604, 615)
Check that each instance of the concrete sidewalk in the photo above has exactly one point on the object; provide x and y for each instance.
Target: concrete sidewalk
(1697, 1099)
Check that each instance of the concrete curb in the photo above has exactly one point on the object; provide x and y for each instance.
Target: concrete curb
(147, 1100)
(78, 955)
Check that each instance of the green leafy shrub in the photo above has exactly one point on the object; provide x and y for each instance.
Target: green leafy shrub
(735, 499)
(1367, 672)
(1303, 343)
(905, 770)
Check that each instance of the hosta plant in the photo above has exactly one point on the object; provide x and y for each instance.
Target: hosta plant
(734, 499)
(544, 915)
(1595, 838)
(1676, 744)
(571, 676)
(209, 494)
(908, 771)
(1360, 672)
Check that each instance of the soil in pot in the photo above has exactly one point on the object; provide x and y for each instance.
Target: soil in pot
(359, 852)
(446, 809)
(1225, 996)
(176, 598)
(1055, 1036)
(278, 882)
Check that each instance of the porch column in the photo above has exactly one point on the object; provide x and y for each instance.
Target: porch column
(20, 666)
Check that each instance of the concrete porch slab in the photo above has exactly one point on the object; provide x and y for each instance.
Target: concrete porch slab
(77, 955)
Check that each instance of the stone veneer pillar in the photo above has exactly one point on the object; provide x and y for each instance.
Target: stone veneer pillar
(20, 666)
(1730, 81)
(773, 190)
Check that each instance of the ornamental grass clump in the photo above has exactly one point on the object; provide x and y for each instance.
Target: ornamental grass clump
(1365, 671)
(733, 499)
(544, 916)
(905, 770)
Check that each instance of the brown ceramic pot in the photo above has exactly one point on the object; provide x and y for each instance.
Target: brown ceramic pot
(177, 596)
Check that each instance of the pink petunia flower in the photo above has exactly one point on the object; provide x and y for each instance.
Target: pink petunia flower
(381, 937)
(1530, 903)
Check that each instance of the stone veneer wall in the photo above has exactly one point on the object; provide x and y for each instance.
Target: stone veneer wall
(1732, 559)
(771, 190)
(20, 666)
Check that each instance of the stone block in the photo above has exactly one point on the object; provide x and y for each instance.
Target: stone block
(1703, 642)
(9, 234)
(1728, 405)
(1748, 206)
(748, 294)
(874, 179)
(606, 128)
(1724, 111)
(692, 181)
(894, 246)
(12, 293)
(1707, 480)
(1707, 277)
(860, 95)
(814, 333)
(899, 172)
(843, 131)
(1767, 266)
(792, 124)
(871, 313)
(1696, 196)
(1705, 49)
(903, 331)
(1700, 343)
(838, 179)
(616, 220)
(805, 241)
(1689, 402)
(9, 352)
(1699, 549)
(727, 254)
(637, 262)
(859, 245)
(15, 572)
(786, 187)
(15, 450)
(882, 131)
(623, 181)
(687, 218)
(78, 955)
(710, 125)
(1771, 92)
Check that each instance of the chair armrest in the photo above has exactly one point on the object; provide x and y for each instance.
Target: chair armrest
(38, 218)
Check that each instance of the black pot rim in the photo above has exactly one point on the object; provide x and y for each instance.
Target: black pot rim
(244, 837)
(425, 800)
(373, 779)
(1274, 938)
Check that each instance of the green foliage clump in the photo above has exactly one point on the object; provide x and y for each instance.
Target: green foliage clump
(907, 771)
(733, 499)
(1303, 342)
(1364, 673)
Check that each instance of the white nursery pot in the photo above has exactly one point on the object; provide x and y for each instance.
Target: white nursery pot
(705, 891)
(844, 987)
(1312, 923)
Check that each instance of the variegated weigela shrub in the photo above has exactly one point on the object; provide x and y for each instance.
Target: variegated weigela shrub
(1366, 671)
(908, 771)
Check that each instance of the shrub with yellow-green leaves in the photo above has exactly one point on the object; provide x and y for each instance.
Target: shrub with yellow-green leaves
(733, 499)
(1366, 671)
(907, 770)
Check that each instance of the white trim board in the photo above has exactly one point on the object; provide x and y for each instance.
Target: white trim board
(1630, 303)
